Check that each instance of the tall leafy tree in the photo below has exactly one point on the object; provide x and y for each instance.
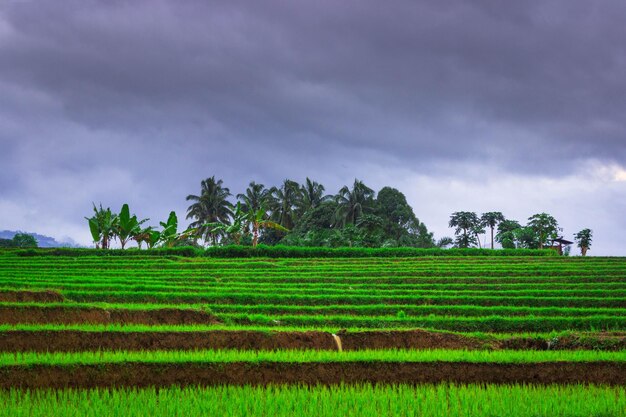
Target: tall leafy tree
(506, 236)
(466, 224)
(491, 220)
(393, 207)
(526, 238)
(583, 240)
(127, 226)
(24, 240)
(284, 202)
(352, 203)
(544, 225)
(210, 206)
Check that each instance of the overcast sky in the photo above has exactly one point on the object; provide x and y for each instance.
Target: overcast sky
(512, 106)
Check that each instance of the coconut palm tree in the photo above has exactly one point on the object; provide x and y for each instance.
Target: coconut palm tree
(211, 206)
(312, 195)
(352, 203)
(256, 196)
(491, 219)
(283, 203)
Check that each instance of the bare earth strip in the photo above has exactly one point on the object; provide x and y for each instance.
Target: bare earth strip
(265, 373)
(79, 340)
(95, 315)
(31, 296)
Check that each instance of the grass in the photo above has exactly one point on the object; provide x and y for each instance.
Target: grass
(348, 401)
(306, 356)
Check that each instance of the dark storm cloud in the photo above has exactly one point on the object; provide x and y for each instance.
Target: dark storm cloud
(138, 101)
(419, 80)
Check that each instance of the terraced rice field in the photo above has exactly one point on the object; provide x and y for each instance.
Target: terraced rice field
(117, 327)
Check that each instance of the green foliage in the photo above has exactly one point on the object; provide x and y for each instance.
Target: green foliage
(211, 206)
(491, 220)
(307, 356)
(87, 252)
(506, 233)
(283, 204)
(103, 226)
(279, 251)
(583, 240)
(24, 240)
(440, 400)
(127, 227)
(352, 203)
(466, 224)
(545, 227)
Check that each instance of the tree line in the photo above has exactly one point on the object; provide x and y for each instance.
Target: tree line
(19, 240)
(296, 214)
(511, 234)
(291, 214)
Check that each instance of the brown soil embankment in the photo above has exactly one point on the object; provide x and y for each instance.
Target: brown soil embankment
(264, 373)
(87, 315)
(409, 339)
(31, 296)
(75, 341)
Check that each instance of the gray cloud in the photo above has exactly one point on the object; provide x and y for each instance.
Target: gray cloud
(160, 94)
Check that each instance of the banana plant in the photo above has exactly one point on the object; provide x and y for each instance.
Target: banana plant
(144, 237)
(235, 230)
(257, 219)
(169, 235)
(128, 226)
(103, 226)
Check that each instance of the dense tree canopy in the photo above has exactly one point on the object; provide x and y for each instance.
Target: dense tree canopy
(304, 215)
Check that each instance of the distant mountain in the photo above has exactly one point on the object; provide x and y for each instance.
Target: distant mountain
(42, 241)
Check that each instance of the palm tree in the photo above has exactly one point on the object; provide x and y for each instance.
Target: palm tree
(283, 203)
(211, 206)
(351, 204)
(256, 196)
(466, 224)
(491, 220)
(583, 239)
(312, 195)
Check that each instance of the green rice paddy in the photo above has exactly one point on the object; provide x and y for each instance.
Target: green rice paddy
(496, 297)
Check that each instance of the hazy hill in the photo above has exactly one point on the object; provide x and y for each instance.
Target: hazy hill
(42, 241)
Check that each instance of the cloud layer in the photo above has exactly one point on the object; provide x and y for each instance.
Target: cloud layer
(138, 101)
